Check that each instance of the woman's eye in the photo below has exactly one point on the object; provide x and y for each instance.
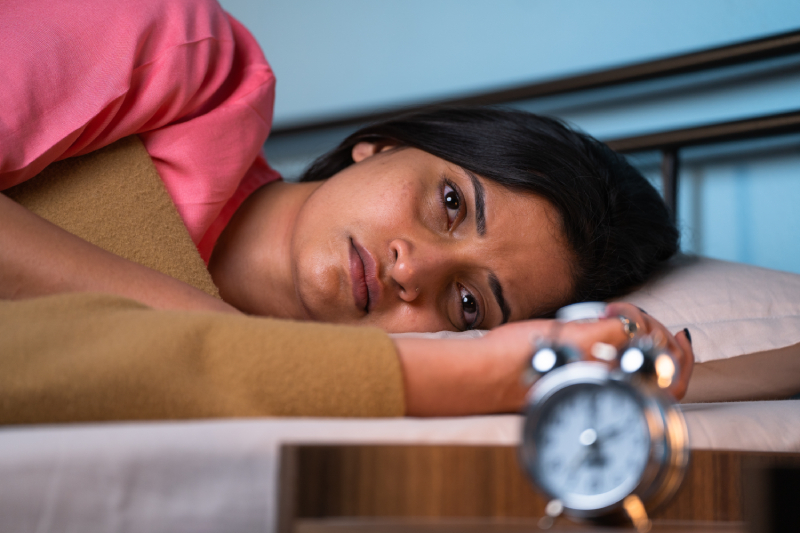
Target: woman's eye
(469, 307)
(452, 204)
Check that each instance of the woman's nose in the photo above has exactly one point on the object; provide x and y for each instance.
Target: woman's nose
(415, 268)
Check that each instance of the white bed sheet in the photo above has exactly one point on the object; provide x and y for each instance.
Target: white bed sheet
(221, 475)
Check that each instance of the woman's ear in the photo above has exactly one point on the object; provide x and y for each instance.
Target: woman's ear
(365, 149)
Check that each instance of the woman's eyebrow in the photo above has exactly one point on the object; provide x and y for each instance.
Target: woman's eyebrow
(480, 223)
(497, 290)
(480, 203)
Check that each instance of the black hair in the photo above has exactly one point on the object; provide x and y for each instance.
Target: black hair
(614, 221)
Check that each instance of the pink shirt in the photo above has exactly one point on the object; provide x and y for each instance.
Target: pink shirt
(187, 77)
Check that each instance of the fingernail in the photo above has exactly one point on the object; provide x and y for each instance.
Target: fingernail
(688, 335)
(642, 310)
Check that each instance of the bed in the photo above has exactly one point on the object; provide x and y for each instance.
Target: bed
(215, 475)
(222, 475)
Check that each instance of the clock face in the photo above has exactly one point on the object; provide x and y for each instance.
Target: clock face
(592, 445)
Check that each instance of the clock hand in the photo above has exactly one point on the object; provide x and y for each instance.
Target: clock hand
(575, 465)
(596, 457)
(578, 460)
(593, 410)
(609, 433)
(590, 452)
(613, 431)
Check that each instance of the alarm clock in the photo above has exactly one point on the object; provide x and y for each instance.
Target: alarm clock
(603, 440)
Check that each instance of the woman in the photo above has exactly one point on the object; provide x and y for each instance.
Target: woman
(449, 220)
(452, 219)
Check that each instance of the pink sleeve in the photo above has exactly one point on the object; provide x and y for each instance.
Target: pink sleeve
(76, 76)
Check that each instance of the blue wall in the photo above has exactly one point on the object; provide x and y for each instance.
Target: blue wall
(335, 58)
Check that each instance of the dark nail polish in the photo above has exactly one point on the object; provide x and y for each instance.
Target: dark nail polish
(642, 310)
(688, 335)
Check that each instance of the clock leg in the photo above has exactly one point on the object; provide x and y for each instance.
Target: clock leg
(635, 510)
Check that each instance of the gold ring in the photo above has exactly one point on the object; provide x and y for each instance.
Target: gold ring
(629, 326)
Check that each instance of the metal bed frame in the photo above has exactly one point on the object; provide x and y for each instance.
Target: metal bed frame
(669, 143)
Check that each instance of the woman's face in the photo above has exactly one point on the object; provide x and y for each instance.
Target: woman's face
(406, 241)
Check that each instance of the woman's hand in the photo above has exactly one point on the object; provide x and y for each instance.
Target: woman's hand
(679, 345)
(473, 376)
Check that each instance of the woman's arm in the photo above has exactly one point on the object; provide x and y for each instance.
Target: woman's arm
(38, 258)
(476, 376)
(89, 357)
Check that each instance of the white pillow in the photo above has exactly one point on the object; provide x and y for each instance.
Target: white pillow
(744, 322)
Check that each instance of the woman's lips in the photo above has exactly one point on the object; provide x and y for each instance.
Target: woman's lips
(363, 275)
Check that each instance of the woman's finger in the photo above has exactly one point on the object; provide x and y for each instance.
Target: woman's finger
(647, 325)
(685, 365)
(679, 346)
(643, 322)
(585, 335)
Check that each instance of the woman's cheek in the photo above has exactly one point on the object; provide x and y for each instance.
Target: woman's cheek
(319, 281)
(398, 201)
(403, 318)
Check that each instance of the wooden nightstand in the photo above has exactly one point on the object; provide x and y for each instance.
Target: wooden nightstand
(448, 489)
